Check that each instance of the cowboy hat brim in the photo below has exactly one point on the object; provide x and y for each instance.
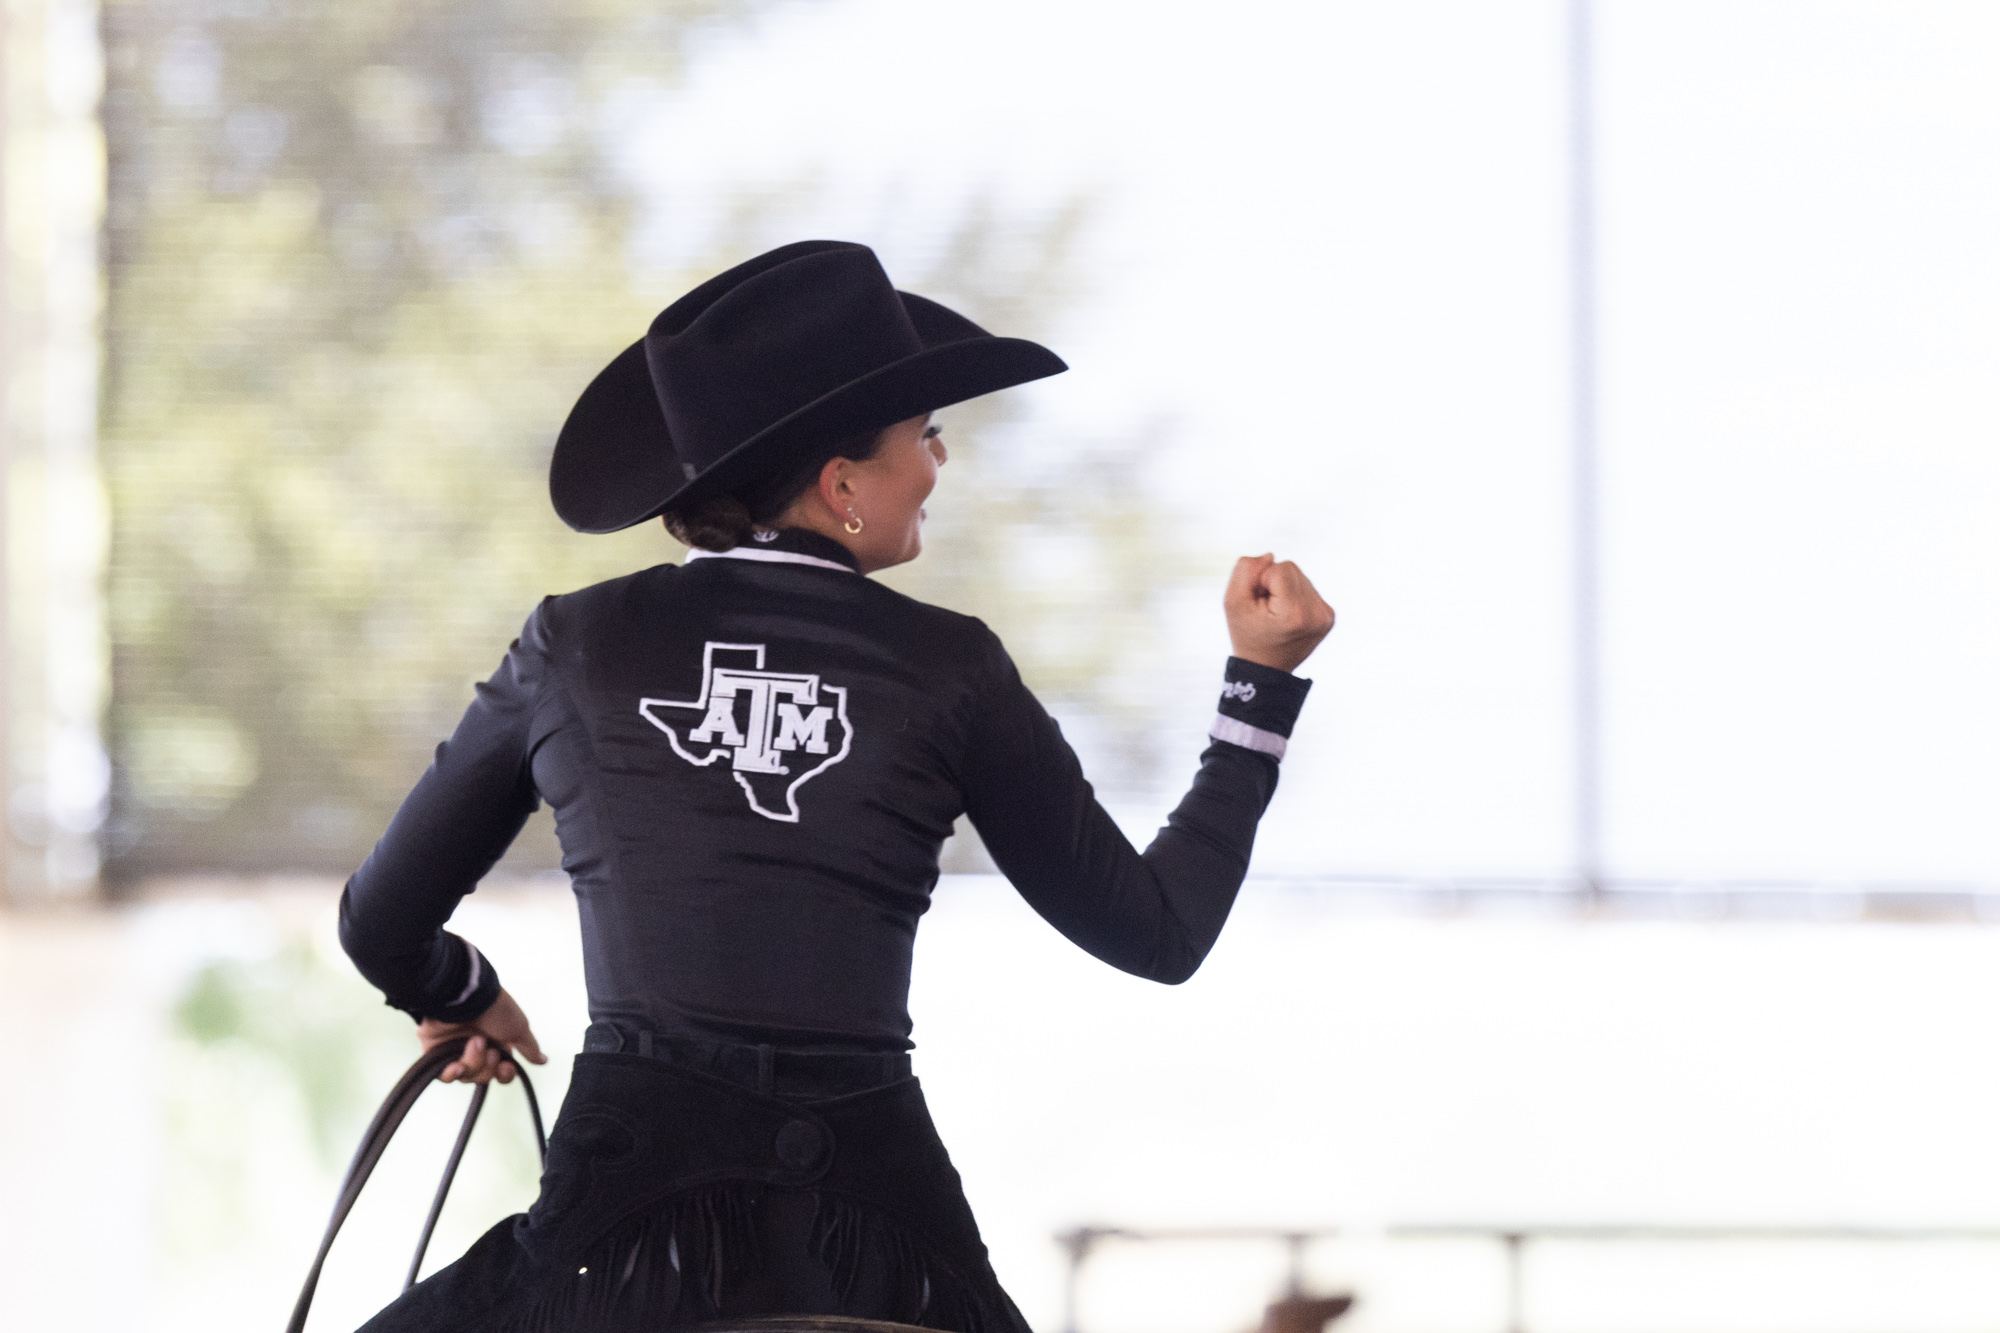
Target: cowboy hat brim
(615, 464)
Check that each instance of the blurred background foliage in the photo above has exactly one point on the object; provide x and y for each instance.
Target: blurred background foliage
(301, 1014)
(361, 259)
(280, 1041)
(291, 1048)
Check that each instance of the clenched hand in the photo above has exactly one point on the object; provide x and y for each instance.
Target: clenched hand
(495, 1036)
(1276, 617)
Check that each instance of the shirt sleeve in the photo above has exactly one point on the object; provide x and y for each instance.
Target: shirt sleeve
(1155, 914)
(458, 820)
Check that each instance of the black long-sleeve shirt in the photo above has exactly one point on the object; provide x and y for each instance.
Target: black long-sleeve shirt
(753, 762)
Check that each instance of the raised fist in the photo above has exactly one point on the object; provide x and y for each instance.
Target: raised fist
(1276, 617)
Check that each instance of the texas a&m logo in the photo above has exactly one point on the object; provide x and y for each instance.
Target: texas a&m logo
(777, 729)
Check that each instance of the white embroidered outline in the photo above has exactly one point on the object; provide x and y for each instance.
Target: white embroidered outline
(708, 650)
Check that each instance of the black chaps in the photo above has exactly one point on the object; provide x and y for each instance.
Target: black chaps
(673, 1196)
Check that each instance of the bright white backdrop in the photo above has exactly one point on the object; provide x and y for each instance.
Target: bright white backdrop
(1329, 244)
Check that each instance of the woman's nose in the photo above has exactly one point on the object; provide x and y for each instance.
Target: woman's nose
(938, 451)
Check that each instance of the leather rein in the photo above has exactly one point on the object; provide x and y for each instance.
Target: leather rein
(376, 1141)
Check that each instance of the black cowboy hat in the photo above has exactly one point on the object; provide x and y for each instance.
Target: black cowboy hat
(742, 379)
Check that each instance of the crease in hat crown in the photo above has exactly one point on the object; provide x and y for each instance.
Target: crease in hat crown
(834, 291)
(746, 374)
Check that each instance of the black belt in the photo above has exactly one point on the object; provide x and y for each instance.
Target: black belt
(771, 1070)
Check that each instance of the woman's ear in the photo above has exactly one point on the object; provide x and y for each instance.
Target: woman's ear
(833, 486)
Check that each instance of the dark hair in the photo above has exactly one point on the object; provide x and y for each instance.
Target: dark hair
(720, 522)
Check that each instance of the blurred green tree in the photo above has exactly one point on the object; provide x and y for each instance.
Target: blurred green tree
(360, 258)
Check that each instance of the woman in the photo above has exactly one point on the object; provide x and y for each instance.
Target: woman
(754, 759)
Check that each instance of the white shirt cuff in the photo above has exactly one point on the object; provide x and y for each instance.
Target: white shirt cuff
(1247, 736)
(472, 981)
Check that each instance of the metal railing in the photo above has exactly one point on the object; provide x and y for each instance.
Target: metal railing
(1514, 1241)
(1638, 898)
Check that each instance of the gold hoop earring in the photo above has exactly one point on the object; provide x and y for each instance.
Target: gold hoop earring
(853, 524)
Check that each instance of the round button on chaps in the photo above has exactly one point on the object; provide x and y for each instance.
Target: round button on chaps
(801, 1145)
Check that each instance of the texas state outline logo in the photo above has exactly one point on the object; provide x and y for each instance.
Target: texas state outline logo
(766, 723)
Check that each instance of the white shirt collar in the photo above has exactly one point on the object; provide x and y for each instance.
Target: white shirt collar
(768, 557)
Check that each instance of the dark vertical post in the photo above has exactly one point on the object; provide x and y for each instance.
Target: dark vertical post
(1078, 1243)
(1584, 554)
(1517, 1315)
